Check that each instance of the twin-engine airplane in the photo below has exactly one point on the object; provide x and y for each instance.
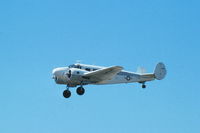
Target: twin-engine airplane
(82, 74)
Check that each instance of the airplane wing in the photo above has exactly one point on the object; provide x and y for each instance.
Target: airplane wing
(103, 74)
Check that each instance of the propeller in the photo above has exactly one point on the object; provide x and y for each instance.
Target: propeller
(69, 74)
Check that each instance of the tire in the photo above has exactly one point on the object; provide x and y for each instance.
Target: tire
(143, 86)
(66, 93)
(80, 91)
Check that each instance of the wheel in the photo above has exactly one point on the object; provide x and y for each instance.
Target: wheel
(80, 90)
(143, 86)
(66, 93)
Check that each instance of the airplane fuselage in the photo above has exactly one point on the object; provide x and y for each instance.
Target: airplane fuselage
(81, 74)
(61, 76)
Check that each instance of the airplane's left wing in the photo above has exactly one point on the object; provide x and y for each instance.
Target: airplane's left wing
(103, 74)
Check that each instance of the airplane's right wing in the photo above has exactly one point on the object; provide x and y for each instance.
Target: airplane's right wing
(103, 74)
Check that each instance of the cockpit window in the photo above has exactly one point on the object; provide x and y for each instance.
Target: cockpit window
(72, 66)
(75, 66)
(78, 66)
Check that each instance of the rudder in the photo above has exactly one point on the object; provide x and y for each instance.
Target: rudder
(160, 71)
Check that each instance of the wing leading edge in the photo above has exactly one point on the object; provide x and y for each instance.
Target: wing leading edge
(103, 74)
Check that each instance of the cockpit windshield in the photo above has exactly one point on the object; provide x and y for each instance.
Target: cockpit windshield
(75, 66)
(71, 66)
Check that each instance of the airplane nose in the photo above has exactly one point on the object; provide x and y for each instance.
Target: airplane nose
(57, 75)
(54, 72)
(57, 72)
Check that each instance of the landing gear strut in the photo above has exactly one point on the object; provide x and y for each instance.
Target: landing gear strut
(80, 90)
(67, 93)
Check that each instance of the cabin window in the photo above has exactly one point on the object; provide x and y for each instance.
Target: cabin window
(87, 69)
(78, 66)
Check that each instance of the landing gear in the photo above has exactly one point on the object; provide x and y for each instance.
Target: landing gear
(67, 93)
(143, 85)
(80, 90)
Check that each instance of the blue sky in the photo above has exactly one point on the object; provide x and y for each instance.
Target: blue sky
(37, 36)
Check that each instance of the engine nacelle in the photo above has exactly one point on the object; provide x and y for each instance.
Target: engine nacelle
(69, 76)
(60, 80)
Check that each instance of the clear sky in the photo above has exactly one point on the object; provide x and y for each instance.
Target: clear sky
(39, 35)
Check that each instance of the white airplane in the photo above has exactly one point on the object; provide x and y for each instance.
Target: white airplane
(82, 74)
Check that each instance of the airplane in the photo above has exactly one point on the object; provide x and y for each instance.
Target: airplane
(82, 74)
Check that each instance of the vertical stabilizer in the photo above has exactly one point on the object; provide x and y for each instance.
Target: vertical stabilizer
(160, 71)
